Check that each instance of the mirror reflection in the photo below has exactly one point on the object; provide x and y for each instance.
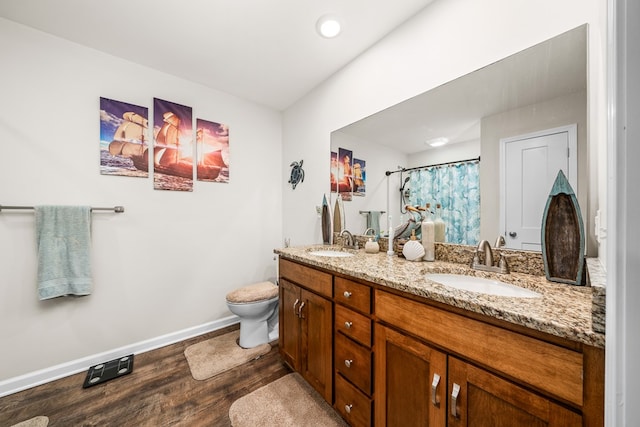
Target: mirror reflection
(524, 116)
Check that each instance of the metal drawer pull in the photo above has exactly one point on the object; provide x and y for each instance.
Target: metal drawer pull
(348, 325)
(347, 294)
(454, 400)
(300, 311)
(347, 408)
(348, 362)
(294, 307)
(434, 388)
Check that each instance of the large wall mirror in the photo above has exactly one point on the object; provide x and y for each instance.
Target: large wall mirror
(514, 114)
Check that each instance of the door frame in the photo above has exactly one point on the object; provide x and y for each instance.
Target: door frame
(572, 175)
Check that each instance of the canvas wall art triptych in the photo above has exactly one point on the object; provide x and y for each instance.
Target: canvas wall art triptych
(348, 175)
(170, 153)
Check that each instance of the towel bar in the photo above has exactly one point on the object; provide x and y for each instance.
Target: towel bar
(368, 212)
(116, 209)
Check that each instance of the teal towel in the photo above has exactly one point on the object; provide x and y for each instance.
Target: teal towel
(63, 236)
(373, 221)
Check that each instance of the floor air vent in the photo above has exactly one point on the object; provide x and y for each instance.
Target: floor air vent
(108, 370)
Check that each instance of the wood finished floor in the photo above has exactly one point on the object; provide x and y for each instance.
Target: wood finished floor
(159, 392)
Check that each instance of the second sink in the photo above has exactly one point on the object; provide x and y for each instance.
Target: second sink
(481, 285)
(330, 253)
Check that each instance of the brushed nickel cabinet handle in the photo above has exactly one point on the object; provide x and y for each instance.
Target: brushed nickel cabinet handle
(348, 325)
(294, 307)
(347, 294)
(348, 362)
(300, 310)
(454, 400)
(347, 408)
(434, 388)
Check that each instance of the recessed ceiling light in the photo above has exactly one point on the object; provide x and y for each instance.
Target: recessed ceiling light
(328, 26)
(437, 142)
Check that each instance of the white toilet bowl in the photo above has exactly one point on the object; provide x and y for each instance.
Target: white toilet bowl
(257, 307)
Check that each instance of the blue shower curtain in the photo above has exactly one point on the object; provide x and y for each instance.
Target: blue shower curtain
(457, 188)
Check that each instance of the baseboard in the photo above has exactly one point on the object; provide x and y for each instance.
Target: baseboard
(32, 379)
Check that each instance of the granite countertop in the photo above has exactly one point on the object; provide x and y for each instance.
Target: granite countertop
(562, 310)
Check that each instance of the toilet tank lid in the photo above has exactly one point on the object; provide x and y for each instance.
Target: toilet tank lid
(252, 293)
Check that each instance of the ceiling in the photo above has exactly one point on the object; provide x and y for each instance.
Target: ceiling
(267, 52)
(550, 69)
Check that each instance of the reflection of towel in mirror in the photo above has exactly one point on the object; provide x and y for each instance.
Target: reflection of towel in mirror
(63, 236)
(373, 221)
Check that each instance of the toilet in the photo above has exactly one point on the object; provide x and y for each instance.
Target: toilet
(257, 307)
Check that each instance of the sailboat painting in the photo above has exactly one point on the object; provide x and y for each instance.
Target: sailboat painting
(172, 148)
(359, 177)
(212, 151)
(123, 134)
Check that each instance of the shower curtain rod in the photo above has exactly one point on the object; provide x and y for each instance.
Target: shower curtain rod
(116, 209)
(431, 166)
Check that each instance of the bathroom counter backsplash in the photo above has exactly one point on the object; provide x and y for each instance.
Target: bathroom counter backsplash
(562, 310)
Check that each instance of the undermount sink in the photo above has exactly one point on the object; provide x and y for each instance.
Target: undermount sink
(331, 253)
(481, 285)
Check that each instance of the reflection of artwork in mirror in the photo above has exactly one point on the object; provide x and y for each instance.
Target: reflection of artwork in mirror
(123, 134)
(345, 173)
(212, 148)
(334, 172)
(456, 187)
(359, 177)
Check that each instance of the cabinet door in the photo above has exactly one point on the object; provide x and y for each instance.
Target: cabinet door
(410, 381)
(289, 324)
(481, 399)
(317, 343)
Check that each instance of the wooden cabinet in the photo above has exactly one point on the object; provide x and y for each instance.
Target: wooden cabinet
(353, 356)
(410, 381)
(481, 399)
(306, 326)
(488, 376)
(417, 385)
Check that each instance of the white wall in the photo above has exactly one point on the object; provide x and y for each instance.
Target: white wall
(447, 40)
(165, 264)
(623, 316)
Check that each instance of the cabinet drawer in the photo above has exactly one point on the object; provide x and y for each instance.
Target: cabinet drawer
(314, 280)
(353, 295)
(353, 325)
(545, 366)
(354, 406)
(354, 362)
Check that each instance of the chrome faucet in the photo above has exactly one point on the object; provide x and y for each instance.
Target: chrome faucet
(347, 242)
(484, 246)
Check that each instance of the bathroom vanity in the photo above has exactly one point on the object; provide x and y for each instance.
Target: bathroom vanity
(388, 347)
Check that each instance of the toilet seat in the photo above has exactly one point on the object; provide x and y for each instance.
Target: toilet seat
(253, 293)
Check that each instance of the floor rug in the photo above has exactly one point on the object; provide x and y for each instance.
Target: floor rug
(288, 401)
(34, 422)
(219, 354)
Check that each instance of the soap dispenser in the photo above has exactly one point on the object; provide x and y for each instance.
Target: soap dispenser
(371, 246)
(413, 250)
(428, 235)
(439, 225)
